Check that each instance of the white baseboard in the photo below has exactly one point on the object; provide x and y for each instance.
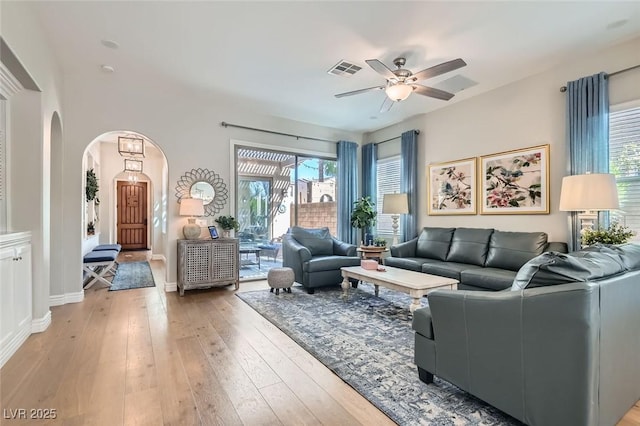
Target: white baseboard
(15, 340)
(38, 325)
(170, 287)
(63, 299)
(159, 257)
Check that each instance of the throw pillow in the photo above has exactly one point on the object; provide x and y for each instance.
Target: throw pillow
(318, 241)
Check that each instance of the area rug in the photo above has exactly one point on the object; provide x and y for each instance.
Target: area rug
(132, 275)
(368, 343)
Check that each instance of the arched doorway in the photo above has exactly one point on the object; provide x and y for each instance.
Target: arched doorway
(110, 163)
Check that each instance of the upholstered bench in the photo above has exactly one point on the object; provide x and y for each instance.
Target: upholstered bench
(103, 247)
(99, 263)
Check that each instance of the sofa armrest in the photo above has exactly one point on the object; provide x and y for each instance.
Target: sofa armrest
(341, 248)
(294, 255)
(406, 249)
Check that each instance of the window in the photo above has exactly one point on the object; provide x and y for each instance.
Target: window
(624, 162)
(388, 172)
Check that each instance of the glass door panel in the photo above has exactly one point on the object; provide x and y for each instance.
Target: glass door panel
(315, 193)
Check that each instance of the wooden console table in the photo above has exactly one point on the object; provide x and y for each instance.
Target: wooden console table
(207, 263)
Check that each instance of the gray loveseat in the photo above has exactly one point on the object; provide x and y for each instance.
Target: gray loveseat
(479, 258)
(561, 348)
(316, 257)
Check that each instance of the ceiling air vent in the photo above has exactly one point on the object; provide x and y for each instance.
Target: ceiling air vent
(344, 68)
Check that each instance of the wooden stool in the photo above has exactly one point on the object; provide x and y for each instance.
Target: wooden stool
(280, 278)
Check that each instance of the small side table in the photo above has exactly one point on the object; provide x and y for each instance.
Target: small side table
(372, 252)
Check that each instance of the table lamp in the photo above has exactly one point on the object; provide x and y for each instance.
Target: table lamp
(191, 207)
(589, 193)
(395, 205)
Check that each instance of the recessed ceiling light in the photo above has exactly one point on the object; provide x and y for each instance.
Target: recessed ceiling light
(107, 68)
(110, 44)
(617, 24)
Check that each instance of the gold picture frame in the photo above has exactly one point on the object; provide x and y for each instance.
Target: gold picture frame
(451, 187)
(515, 182)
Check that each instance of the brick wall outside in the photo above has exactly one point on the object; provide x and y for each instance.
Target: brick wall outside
(318, 215)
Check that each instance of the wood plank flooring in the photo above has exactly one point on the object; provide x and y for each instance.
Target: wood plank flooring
(146, 357)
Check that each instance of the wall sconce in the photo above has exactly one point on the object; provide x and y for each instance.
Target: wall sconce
(130, 146)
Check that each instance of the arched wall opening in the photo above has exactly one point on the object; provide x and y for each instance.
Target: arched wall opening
(56, 188)
(99, 224)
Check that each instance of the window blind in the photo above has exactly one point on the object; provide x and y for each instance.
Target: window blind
(388, 178)
(624, 162)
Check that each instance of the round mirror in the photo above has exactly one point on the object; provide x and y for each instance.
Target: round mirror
(206, 185)
(204, 191)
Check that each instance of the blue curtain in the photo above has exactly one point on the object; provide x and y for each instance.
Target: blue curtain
(409, 182)
(347, 189)
(587, 133)
(369, 175)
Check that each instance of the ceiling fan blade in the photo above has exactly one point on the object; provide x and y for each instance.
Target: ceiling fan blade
(386, 104)
(437, 70)
(431, 92)
(382, 69)
(357, 92)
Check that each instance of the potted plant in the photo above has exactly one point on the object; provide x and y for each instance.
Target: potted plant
(91, 190)
(615, 234)
(227, 223)
(363, 216)
(380, 242)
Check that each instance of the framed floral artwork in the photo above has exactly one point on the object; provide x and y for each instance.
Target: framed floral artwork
(452, 187)
(515, 182)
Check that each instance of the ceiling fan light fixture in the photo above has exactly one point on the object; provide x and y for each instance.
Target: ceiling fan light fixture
(398, 92)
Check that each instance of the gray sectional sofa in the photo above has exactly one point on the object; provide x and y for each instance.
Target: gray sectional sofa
(479, 258)
(561, 348)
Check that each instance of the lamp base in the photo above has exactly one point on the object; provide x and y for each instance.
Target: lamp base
(191, 231)
(395, 227)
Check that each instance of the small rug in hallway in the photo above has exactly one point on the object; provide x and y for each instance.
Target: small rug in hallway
(368, 343)
(132, 275)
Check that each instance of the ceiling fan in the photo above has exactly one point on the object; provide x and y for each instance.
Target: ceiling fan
(402, 82)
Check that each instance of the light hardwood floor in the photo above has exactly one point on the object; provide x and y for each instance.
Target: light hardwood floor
(147, 357)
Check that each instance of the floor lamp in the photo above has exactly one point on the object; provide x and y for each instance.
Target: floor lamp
(588, 194)
(395, 205)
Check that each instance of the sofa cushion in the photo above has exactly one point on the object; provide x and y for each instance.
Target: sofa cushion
(433, 243)
(553, 268)
(629, 253)
(329, 263)
(511, 250)
(318, 241)
(447, 269)
(410, 263)
(422, 322)
(488, 278)
(469, 246)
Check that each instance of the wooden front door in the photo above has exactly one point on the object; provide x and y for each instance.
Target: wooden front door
(132, 215)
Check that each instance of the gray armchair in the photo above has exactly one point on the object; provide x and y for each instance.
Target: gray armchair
(316, 257)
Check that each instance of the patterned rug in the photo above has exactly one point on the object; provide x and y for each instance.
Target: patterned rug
(132, 275)
(368, 343)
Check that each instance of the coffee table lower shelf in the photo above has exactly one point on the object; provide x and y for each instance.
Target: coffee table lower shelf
(415, 284)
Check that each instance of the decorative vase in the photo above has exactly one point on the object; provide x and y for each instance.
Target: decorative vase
(226, 233)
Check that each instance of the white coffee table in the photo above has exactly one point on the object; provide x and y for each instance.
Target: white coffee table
(415, 284)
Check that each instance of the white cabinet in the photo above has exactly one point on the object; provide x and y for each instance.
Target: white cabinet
(15, 292)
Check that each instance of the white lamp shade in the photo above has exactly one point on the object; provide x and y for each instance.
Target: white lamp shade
(588, 192)
(395, 204)
(191, 207)
(399, 91)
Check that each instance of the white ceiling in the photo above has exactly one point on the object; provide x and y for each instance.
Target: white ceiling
(274, 56)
